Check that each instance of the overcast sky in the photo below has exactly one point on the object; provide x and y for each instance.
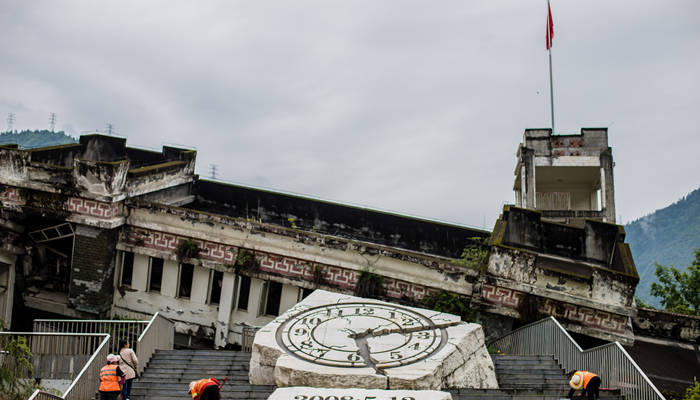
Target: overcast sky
(411, 106)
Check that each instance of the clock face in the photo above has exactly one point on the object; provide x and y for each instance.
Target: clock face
(360, 334)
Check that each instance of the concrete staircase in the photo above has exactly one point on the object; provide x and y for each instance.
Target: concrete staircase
(527, 378)
(169, 373)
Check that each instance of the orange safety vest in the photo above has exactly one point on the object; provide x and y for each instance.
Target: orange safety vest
(109, 381)
(585, 377)
(201, 385)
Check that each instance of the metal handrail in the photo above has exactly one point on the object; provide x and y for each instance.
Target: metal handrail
(54, 355)
(611, 361)
(117, 329)
(85, 385)
(158, 334)
(153, 334)
(42, 395)
(248, 336)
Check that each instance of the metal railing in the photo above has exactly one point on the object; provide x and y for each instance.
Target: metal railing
(41, 395)
(158, 333)
(248, 335)
(610, 361)
(87, 382)
(59, 355)
(116, 329)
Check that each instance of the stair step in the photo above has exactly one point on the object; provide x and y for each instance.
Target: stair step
(522, 357)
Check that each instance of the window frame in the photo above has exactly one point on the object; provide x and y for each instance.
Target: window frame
(179, 281)
(210, 286)
(121, 269)
(150, 275)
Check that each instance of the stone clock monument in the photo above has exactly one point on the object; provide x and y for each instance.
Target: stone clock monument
(331, 340)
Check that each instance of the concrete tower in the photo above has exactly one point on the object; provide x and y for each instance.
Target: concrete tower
(568, 178)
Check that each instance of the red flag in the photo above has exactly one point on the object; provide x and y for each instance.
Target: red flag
(550, 27)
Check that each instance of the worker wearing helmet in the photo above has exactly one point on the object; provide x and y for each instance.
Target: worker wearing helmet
(110, 375)
(588, 382)
(205, 389)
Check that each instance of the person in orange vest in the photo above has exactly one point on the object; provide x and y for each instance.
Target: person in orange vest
(205, 389)
(110, 374)
(588, 382)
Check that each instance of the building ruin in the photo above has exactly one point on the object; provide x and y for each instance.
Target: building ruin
(100, 229)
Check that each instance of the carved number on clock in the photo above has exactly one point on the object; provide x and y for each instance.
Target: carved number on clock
(299, 332)
(422, 335)
(311, 321)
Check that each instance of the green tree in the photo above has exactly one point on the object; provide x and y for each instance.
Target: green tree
(15, 368)
(679, 291)
(693, 392)
(450, 303)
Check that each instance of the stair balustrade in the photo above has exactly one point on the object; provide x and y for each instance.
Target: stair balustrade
(67, 356)
(611, 361)
(145, 337)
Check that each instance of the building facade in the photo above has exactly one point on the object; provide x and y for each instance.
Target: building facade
(99, 229)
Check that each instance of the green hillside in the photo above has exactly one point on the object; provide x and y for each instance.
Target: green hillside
(667, 236)
(32, 139)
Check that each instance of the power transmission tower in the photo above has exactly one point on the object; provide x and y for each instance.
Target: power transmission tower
(52, 121)
(213, 170)
(110, 128)
(10, 121)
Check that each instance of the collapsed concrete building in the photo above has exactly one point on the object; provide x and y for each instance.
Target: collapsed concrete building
(100, 229)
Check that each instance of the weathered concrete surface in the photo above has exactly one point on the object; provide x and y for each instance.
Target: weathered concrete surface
(667, 326)
(301, 392)
(388, 346)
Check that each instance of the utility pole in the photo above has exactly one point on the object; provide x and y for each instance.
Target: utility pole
(213, 170)
(52, 121)
(110, 128)
(10, 121)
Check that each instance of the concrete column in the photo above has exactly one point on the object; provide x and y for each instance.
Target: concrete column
(139, 279)
(170, 278)
(200, 284)
(290, 296)
(528, 175)
(92, 270)
(225, 306)
(607, 185)
(7, 279)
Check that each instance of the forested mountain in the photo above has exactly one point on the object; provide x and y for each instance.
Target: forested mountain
(31, 139)
(668, 237)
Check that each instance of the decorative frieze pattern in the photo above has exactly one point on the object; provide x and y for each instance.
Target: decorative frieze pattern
(272, 263)
(585, 316)
(93, 208)
(11, 196)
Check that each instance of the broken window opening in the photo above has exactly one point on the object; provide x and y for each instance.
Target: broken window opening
(216, 279)
(273, 298)
(244, 293)
(305, 292)
(51, 255)
(155, 275)
(185, 287)
(127, 268)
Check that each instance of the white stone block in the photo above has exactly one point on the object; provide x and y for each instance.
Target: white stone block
(312, 393)
(333, 340)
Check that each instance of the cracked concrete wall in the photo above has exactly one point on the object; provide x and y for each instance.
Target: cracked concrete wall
(666, 325)
(92, 271)
(100, 178)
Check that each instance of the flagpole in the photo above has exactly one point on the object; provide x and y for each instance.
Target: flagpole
(551, 86)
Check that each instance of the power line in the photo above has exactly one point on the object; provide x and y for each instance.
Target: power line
(10, 121)
(213, 170)
(52, 121)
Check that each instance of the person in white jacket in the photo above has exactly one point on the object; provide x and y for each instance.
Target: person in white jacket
(129, 364)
